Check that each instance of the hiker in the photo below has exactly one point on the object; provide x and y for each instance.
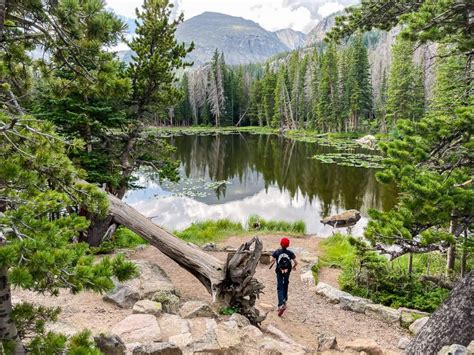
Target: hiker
(285, 261)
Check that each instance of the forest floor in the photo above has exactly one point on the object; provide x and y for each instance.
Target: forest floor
(307, 316)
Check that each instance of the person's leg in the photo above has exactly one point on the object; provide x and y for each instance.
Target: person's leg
(280, 289)
(285, 287)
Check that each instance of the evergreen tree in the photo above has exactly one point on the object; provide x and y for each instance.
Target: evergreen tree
(329, 102)
(405, 92)
(216, 94)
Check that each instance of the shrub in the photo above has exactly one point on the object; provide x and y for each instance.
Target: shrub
(123, 238)
(210, 231)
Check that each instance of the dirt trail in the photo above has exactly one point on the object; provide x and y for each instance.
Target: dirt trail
(308, 314)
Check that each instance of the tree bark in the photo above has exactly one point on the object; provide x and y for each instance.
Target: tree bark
(451, 323)
(8, 331)
(230, 283)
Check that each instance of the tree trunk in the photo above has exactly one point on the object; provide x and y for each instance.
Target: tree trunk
(230, 283)
(410, 263)
(8, 331)
(451, 323)
(451, 257)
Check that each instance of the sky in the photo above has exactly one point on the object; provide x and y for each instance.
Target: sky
(300, 15)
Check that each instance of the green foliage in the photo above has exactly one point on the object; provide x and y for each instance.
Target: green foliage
(210, 231)
(123, 238)
(228, 311)
(369, 275)
(257, 223)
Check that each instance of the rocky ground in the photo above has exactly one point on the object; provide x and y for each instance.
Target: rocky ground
(309, 316)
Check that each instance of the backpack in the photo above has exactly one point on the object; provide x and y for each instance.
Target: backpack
(283, 262)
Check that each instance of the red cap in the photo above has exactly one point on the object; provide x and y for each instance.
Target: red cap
(285, 242)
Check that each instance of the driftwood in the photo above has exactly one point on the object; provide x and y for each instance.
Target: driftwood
(230, 283)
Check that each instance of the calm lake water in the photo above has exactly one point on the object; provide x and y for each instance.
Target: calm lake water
(238, 175)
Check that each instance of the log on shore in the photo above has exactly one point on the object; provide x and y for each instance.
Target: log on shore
(231, 283)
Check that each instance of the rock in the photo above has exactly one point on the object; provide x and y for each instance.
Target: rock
(307, 278)
(138, 328)
(266, 258)
(209, 247)
(367, 345)
(240, 320)
(279, 334)
(172, 325)
(326, 342)
(368, 141)
(147, 307)
(228, 338)
(408, 316)
(454, 349)
(416, 326)
(157, 349)
(354, 304)
(251, 333)
(333, 294)
(169, 301)
(110, 345)
(151, 279)
(470, 347)
(193, 309)
(123, 296)
(403, 343)
(344, 219)
(384, 313)
(181, 340)
(274, 347)
(204, 337)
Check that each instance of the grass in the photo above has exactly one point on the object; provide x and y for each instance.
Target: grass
(210, 231)
(257, 223)
(123, 238)
(338, 252)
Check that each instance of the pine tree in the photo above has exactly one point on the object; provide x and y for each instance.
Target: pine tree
(405, 92)
(269, 81)
(283, 115)
(216, 94)
(329, 102)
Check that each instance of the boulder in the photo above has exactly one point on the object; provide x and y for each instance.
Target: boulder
(266, 307)
(416, 326)
(110, 345)
(240, 320)
(454, 349)
(326, 342)
(368, 141)
(228, 337)
(266, 258)
(408, 316)
(193, 309)
(354, 304)
(204, 337)
(122, 296)
(151, 279)
(157, 349)
(274, 347)
(62, 328)
(383, 313)
(181, 340)
(403, 343)
(367, 345)
(147, 307)
(333, 294)
(344, 219)
(169, 301)
(172, 325)
(251, 333)
(140, 328)
(470, 347)
(307, 278)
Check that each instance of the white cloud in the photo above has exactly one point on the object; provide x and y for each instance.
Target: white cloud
(299, 15)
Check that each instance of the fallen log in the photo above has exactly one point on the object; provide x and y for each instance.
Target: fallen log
(345, 219)
(230, 283)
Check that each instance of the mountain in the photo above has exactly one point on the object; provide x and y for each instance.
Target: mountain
(291, 38)
(317, 34)
(242, 41)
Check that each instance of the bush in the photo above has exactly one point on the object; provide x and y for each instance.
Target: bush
(210, 231)
(370, 275)
(257, 223)
(123, 238)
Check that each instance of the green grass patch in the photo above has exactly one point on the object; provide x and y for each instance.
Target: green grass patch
(338, 252)
(210, 231)
(258, 223)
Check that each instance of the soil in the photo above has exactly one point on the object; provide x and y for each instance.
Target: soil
(307, 316)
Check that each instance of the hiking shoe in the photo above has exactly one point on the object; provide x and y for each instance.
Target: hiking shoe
(281, 310)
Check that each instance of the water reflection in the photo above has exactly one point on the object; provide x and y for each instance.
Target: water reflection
(266, 175)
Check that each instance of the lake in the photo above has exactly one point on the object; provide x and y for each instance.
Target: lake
(238, 175)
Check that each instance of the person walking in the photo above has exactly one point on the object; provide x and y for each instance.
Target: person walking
(285, 261)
